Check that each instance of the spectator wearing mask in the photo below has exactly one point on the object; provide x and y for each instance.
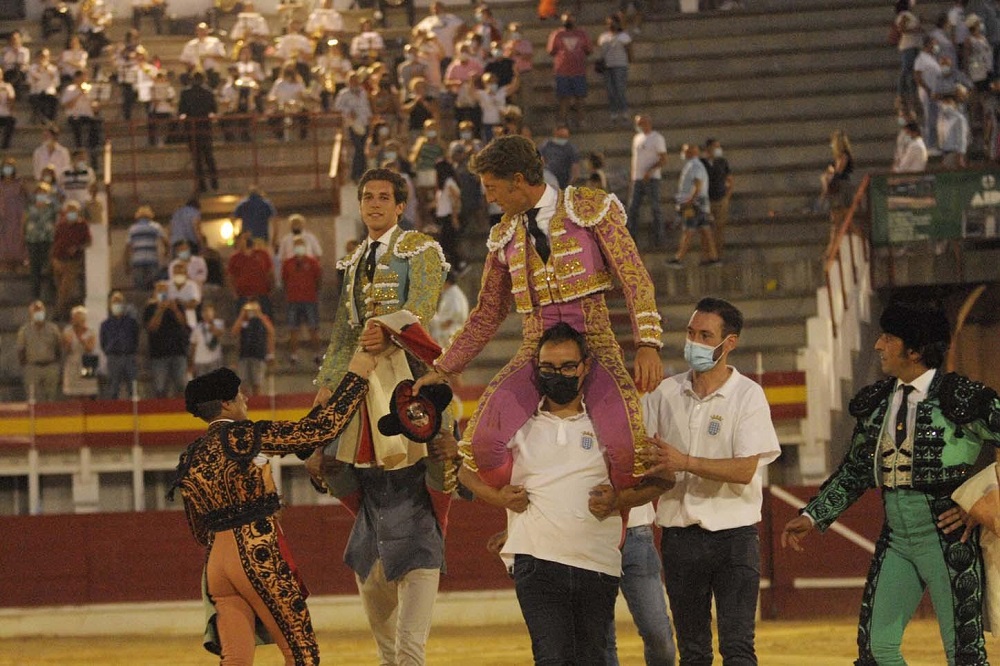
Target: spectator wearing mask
(649, 156)
(39, 230)
(70, 239)
(254, 212)
(720, 188)
(185, 291)
(185, 224)
(492, 99)
(119, 338)
(927, 73)
(953, 132)
(352, 102)
(80, 108)
(302, 275)
(251, 273)
(446, 28)
(297, 230)
(168, 335)
(521, 51)
(50, 152)
(205, 349)
(941, 35)
(569, 47)
(694, 208)
(614, 47)
(367, 46)
(910, 41)
(500, 65)
(912, 153)
(419, 108)
(561, 157)
(255, 332)
(460, 81)
(197, 267)
(146, 242)
(39, 351)
(426, 152)
(79, 341)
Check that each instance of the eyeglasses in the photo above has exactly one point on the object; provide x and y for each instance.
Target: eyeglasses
(566, 369)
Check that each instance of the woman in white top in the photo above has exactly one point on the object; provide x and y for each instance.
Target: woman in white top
(615, 50)
(79, 341)
(492, 99)
(447, 204)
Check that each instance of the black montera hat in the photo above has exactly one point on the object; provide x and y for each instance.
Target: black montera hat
(417, 417)
(916, 324)
(222, 384)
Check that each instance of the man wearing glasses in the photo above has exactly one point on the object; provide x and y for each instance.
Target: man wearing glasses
(564, 523)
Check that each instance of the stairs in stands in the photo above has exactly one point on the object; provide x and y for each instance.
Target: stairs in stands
(771, 83)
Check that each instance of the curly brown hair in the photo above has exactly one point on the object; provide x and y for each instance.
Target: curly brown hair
(508, 155)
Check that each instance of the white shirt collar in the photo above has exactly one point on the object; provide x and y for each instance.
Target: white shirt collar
(921, 384)
(547, 414)
(721, 391)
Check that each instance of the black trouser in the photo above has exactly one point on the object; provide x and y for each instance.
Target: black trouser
(87, 134)
(202, 154)
(155, 11)
(129, 98)
(44, 105)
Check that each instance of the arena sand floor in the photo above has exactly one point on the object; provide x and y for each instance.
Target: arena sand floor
(778, 644)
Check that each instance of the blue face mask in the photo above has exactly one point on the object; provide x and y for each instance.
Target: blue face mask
(701, 357)
(184, 254)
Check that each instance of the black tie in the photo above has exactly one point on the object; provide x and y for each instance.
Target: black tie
(901, 415)
(541, 240)
(370, 261)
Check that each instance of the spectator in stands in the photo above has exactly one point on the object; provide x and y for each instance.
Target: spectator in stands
(249, 23)
(988, 13)
(256, 337)
(168, 336)
(254, 213)
(50, 152)
(410, 68)
(426, 151)
(302, 275)
(446, 28)
(43, 82)
(419, 108)
(39, 228)
(569, 47)
(942, 37)
(487, 26)
(185, 291)
(927, 73)
(251, 273)
(78, 180)
(324, 22)
(911, 154)
(287, 99)
(73, 58)
(460, 81)
(79, 342)
(720, 188)
(162, 108)
(39, 351)
(135, 76)
(205, 53)
(247, 67)
(520, 50)
(953, 132)
(49, 178)
(952, 78)
(452, 311)
(367, 46)
(561, 157)
(196, 108)
(70, 239)
(694, 208)
(835, 183)
(56, 11)
(185, 224)
(492, 99)
(297, 49)
(500, 65)
(430, 54)
(910, 40)
(378, 139)
(197, 268)
(154, 9)
(205, 347)
(467, 140)
(614, 47)
(119, 338)
(384, 98)
(146, 244)
(352, 102)
(649, 156)
(7, 120)
(80, 108)
(297, 230)
(447, 205)
(15, 59)
(13, 199)
(237, 100)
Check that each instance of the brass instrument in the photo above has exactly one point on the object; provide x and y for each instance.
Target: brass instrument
(237, 47)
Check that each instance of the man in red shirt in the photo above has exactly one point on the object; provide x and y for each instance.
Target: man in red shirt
(569, 47)
(251, 273)
(301, 275)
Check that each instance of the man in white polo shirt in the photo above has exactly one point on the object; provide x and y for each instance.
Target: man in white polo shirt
(716, 432)
(564, 526)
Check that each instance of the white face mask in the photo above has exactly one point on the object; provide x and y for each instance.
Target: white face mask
(180, 280)
(299, 250)
(117, 309)
(38, 316)
(717, 153)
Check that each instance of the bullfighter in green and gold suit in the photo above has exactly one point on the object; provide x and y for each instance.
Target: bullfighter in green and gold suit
(917, 436)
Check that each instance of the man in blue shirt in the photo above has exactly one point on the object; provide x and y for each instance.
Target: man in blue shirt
(255, 212)
(694, 208)
(119, 338)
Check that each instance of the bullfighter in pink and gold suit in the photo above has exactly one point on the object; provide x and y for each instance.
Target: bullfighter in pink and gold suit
(555, 263)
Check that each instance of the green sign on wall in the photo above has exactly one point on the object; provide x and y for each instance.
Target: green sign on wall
(939, 206)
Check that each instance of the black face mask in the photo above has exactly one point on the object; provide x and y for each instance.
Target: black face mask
(560, 390)
(569, 25)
